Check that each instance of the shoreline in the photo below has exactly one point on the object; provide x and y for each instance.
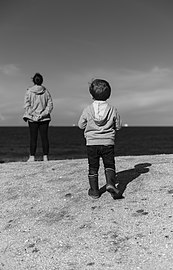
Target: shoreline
(85, 158)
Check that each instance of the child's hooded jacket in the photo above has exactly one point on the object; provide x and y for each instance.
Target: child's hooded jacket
(37, 104)
(100, 121)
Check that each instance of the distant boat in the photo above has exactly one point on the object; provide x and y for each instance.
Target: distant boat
(126, 125)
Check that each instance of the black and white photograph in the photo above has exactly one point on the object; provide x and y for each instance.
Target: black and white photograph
(86, 134)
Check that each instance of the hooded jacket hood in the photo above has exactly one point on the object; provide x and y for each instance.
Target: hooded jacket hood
(37, 89)
(100, 113)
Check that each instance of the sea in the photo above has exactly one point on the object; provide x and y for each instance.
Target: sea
(69, 142)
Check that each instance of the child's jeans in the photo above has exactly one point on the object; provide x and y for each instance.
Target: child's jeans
(95, 152)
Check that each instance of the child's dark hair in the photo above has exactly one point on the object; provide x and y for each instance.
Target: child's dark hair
(100, 89)
(37, 79)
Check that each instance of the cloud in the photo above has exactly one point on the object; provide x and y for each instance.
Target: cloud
(13, 108)
(140, 96)
(11, 113)
(129, 87)
(2, 118)
(135, 93)
(9, 69)
(144, 89)
(67, 110)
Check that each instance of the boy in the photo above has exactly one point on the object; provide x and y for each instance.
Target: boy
(100, 122)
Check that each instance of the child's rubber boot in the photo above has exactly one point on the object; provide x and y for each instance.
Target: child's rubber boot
(94, 188)
(111, 185)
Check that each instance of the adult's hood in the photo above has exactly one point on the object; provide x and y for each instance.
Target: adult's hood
(37, 89)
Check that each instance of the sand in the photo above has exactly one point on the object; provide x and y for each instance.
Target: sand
(48, 222)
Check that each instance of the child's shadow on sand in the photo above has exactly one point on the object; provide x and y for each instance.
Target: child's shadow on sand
(125, 177)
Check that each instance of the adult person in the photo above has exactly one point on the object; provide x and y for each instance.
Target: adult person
(38, 105)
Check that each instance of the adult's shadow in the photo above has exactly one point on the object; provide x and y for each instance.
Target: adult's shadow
(123, 178)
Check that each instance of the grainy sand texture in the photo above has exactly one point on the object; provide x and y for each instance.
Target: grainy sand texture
(48, 222)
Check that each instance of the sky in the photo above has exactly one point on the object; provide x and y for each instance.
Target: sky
(129, 43)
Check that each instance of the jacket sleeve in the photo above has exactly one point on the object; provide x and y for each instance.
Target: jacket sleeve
(82, 121)
(49, 106)
(27, 103)
(27, 107)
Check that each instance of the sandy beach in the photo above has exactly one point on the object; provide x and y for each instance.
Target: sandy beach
(48, 222)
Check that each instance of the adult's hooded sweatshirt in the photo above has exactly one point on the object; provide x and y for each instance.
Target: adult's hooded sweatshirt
(37, 104)
(100, 122)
